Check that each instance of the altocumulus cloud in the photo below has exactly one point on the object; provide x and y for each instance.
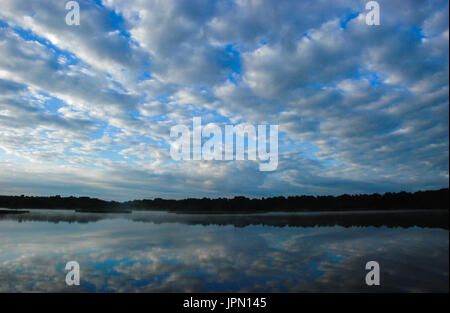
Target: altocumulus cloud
(87, 109)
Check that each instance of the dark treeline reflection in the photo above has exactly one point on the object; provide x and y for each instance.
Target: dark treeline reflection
(435, 199)
(429, 219)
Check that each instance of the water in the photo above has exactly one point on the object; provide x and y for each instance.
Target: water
(167, 252)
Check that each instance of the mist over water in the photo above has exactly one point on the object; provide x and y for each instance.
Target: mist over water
(166, 252)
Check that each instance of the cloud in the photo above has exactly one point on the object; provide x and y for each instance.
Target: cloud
(89, 108)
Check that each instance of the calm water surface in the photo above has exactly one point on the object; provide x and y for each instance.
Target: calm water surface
(167, 252)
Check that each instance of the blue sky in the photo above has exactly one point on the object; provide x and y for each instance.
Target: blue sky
(87, 110)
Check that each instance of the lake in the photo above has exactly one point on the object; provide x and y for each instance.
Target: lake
(271, 252)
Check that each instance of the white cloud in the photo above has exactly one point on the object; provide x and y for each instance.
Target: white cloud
(360, 108)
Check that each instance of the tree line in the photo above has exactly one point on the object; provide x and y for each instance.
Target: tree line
(430, 199)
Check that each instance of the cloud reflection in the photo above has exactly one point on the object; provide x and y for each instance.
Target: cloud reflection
(121, 255)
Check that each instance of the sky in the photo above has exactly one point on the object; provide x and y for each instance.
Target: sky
(87, 109)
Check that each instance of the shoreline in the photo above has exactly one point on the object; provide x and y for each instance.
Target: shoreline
(225, 212)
